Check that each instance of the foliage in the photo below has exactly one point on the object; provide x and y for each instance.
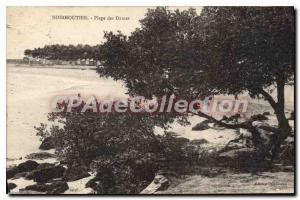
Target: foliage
(65, 52)
(222, 50)
(120, 147)
(42, 131)
(251, 47)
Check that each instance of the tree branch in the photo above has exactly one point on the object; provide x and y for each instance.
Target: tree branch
(269, 98)
(245, 125)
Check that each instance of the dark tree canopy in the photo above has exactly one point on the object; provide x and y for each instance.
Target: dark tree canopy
(248, 47)
(222, 50)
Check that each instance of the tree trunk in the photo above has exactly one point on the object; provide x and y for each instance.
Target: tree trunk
(283, 123)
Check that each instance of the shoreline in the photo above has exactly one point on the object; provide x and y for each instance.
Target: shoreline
(79, 67)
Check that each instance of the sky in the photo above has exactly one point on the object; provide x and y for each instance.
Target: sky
(32, 27)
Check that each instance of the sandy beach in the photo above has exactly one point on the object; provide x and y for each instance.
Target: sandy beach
(31, 89)
(29, 94)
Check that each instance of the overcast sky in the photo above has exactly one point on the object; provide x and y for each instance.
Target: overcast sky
(31, 27)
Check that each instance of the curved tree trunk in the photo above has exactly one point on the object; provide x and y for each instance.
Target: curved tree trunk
(283, 123)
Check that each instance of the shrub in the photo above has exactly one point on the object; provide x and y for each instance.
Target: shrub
(122, 148)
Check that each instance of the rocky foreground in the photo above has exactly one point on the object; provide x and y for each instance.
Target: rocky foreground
(43, 173)
(234, 170)
(31, 177)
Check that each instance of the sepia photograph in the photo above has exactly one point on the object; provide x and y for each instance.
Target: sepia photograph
(163, 100)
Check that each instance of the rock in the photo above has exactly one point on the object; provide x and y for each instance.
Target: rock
(46, 174)
(53, 188)
(26, 166)
(30, 175)
(91, 183)
(45, 165)
(47, 144)
(58, 188)
(19, 175)
(73, 174)
(201, 126)
(198, 142)
(266, 113)
(11, 172)
(159, 183)
(40, 156)
(11, 186)
(259, 117)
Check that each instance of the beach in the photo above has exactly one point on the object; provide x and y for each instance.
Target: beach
(29, 94)
(30, 91)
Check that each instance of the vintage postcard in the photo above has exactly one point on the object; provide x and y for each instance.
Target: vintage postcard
(150, 100)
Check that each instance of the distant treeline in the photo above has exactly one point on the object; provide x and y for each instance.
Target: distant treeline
(65, 52)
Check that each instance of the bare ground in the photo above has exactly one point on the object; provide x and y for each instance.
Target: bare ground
(242, 183)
